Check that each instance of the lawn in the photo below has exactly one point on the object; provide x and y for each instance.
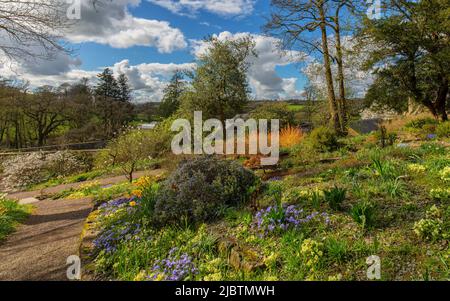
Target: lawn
(296, 108)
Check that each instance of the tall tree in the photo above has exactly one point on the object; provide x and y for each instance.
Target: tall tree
(412, 49)
(220, 88)
(172, 95)
(107, 86)
(46, 112)
(124, 90)
(296, 22)
(111, 102)
(335, 22)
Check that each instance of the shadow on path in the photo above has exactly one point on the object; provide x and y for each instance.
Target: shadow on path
(39, 249)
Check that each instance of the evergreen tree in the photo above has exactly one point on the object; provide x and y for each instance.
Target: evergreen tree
(412, 46)
(124, 88)
(107, 86)
(172, 93)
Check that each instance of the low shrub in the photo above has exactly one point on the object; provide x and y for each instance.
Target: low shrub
(312, 252)
(445, 174)
(323, 139)
(431, 227)
(64, 163)
(275, 110)
(25, 170)
(290, 136)
(200, 187)
(421, 123)
(440, 194)
(385, 138)
(443, 129)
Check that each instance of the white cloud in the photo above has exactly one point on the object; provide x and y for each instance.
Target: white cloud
(219, 7)
(263, 76)
(112, 24)
(147, 80)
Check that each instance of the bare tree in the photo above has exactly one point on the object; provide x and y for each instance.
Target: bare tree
(295, 22)
(32, 28)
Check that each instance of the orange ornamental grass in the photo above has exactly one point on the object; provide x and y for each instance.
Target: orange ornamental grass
(290, 136)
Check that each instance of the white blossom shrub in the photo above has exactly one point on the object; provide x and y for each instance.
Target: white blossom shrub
(64, 163)
(25, 170)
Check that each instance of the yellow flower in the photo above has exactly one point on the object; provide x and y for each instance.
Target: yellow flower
(133, 204)
(271, 278)
(137, 193)
(337, 277)
(271, 260)
(445, 174)
(214, 277)
(143, 181)
(140, 277)
(416, 168)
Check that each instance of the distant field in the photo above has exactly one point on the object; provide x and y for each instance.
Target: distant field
(296, 108)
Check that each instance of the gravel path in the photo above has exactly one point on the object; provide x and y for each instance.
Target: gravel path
(38, 250)
(40, 247)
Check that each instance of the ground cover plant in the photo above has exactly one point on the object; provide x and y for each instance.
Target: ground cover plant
(392, 202)
(11, 214)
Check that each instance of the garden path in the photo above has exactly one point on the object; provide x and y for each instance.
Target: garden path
(38, 250)
(40, 247)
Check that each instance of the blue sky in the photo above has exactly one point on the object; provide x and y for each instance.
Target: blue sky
(198, 27)
(148, 40)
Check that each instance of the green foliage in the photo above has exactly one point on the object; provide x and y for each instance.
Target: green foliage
(384, 169)
(433, 148)
(335, 197)
(413, 37)
(443, 129)
(431, 227)
(107, 86)
(384, 138)
(197, 190)
(323, 139)
(394, 187)
(219, 87)
(442, 194)
(336, 250)
(11, 213)
(275, 110)
(363, 213)
(420, 123)
(133, 147)
(172, 95)
(148, 201)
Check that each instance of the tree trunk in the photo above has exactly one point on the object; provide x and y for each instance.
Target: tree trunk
(342, 97)
(441, 99)
(328, 74)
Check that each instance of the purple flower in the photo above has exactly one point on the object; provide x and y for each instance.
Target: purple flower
(280, 219)
(174, 268)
